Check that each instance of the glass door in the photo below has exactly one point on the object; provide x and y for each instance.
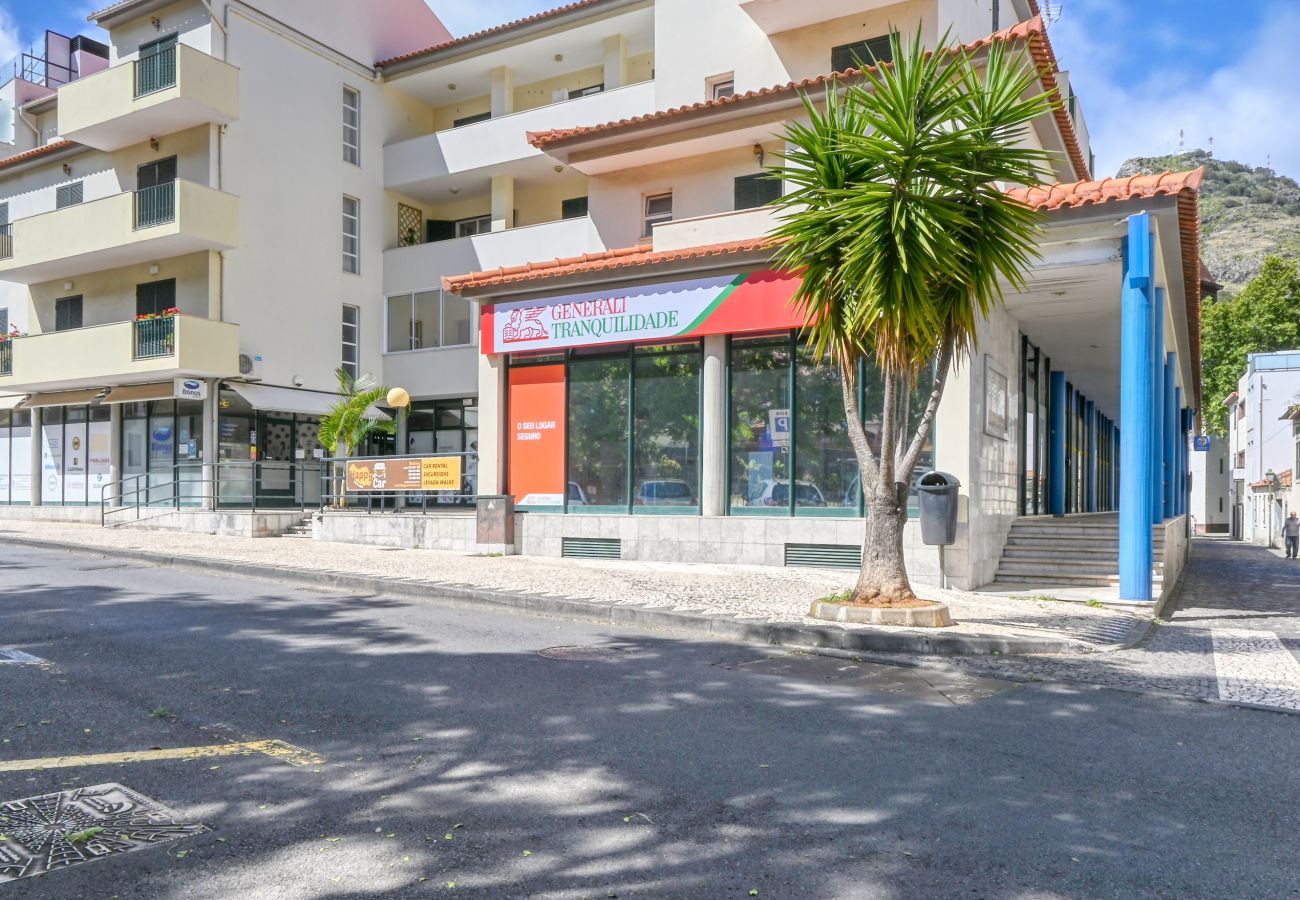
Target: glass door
(276, 443)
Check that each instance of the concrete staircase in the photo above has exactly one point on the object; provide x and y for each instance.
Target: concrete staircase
(1078, 551)
(302, 529)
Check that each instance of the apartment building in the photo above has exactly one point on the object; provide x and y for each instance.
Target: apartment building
(1261, 445)
(553, 237)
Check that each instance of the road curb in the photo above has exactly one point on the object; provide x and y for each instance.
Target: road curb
(756, 631)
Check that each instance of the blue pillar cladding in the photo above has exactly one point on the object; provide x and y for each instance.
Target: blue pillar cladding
(1090, 419)
(1169, 442)
(1056, 458)
(1158, 406)
(1137, 396)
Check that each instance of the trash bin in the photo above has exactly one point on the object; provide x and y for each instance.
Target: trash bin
(496, 520)
(938, 495)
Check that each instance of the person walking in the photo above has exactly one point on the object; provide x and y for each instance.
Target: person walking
(1291, 531)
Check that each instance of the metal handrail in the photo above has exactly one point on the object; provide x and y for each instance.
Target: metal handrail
(155, 205)
(335, 495)
(154, 337)
(215, 491)
(7, 241)
(6, 357)
(155, 71)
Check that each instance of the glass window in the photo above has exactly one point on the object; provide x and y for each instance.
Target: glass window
(586, 91)
(826, 469)
(722, 89)
(67, 313)
(597, 433)
(666, 427)
(351, 235)
(426, 324)
(760, 421)
(457, 321)
(473, 226)
(658, 209)
(428, 320)
(351, 125)
(351, 340)
(400, 312)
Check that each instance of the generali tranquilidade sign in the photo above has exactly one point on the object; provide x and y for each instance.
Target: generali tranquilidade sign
(722, 304)
(430, 473)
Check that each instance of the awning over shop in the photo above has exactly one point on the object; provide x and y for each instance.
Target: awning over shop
(137, 393)
(63, 398)
(290, 400)
(11, 402)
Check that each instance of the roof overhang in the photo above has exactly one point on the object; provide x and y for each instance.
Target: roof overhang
(112, 16)
(31, 159)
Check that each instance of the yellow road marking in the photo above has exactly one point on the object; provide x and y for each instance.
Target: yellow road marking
(294, 756)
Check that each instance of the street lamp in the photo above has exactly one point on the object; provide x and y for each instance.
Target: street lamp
(400, 400)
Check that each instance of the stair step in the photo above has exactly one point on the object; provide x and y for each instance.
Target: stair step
(1014, 551)
(1067, 581)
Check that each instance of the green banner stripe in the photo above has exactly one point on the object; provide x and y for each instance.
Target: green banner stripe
(712, 307)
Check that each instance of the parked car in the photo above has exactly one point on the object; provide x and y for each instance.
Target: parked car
(664, 492)
(777, 493)
(577, 496)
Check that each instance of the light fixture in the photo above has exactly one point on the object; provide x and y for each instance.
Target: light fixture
(455, 190)
(153, 143)
(67, 285)
(451, 87)
(153, 269)
(67, 169)
(559, 169)
(398, 398)
(559, 57)
(155, 22)
(297, 381)
(759, 153)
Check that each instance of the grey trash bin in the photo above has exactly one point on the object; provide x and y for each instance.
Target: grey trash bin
(938, 494)
(496, 520)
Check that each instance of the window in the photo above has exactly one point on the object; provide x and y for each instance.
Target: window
(156, 68)
(4, 320)
(155, 197)
(471, 120)
(351, 343)
(574, 208)
(860, 53)
(476, 225)
(427, 320)
(351, 235)
(761, 189)
(723, 89)
(658, 209)
(155, 298)
(586, 91)
(67, 313)
(352, 126)
(68, 195)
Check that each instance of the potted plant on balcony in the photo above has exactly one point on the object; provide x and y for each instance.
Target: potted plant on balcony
(410, 237)
(162, 338)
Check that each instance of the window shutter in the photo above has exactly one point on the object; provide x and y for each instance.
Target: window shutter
(859, 53)
(67, 313)
(757, 190)
(68, 195)
(4, 214)
(4, 320)
(574, 208)
(439, 230)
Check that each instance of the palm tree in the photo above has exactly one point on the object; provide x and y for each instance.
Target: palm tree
(352, 419)
(904, 238)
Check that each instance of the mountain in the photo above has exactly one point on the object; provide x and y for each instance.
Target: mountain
(1246, 213)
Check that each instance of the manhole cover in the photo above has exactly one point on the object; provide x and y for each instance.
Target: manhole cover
(56, 831)
(587, 653)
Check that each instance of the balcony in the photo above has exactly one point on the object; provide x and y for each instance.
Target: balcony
(418, 165)
(125, 229)
(776, 16)
(120, 353)
(165, 93)
(421, 267)
(720, 228)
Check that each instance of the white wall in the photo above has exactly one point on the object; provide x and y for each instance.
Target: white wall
(1211, 470)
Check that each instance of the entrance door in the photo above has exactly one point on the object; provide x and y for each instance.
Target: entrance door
(276, 467)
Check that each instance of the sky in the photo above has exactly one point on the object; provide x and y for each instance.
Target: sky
(1221, 72)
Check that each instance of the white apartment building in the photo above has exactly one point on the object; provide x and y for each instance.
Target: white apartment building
(1261, 445)
(1211, 476)
(352, 184)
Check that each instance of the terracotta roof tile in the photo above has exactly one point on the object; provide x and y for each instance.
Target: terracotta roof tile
(489, 32)
(623, 258)
(1031, 31)
(34, 153)
(1286, 478)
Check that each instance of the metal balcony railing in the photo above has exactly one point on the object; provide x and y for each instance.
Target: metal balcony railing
(155, 72)
(155, 205)
(155, 337)
(6, 241)
(6, 357)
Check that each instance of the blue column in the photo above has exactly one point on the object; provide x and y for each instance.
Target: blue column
(1090, 418)
(1056, 471)
(1158, 406)
(1172, 425)
(1137, 396)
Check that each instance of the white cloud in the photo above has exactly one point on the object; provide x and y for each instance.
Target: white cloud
(1246, 104)
(10, 37)
(467, 16)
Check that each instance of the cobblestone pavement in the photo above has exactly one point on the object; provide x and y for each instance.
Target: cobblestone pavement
(1234, 635)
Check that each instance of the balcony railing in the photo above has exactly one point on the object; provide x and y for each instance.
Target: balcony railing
(155, 338)
(155, 72)
(155, 205)
(6, 241)
(6, 357)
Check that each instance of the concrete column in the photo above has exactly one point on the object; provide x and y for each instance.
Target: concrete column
(503, 91)
(215, 273)
(491, 423)
(713, 428)
(1056, 445)
(615, 61)
(1137, 374)
(37, 458)
(1157, 389)
(503, 202)
(114, 492)
(1090, 421)
(211, 409)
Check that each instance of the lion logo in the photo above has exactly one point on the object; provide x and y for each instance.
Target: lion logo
(525, 325)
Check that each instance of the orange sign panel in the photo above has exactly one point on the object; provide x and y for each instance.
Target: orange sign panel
(536, 434)
(430, 473)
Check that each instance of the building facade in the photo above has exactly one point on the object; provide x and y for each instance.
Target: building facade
(552, 234)
(1262, 445)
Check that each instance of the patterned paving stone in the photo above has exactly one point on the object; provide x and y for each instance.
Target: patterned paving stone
(1254, 667)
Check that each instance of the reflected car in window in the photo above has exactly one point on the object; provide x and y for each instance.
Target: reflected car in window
(577, 497)
(777, 493)
(665, 492)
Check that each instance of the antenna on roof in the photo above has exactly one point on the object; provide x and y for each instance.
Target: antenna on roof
(1051, 12)
(1182, 140)
(1211, 145)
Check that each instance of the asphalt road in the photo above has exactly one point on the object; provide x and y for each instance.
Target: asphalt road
(455, 753)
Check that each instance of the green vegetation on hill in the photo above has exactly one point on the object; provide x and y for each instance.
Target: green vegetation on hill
(1247, 214)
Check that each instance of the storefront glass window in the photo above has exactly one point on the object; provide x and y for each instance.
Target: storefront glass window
(5, 461)
(20, 454)
(666, 424)
(760, 435)
(597, 432)
(52, 455)
(826, 480)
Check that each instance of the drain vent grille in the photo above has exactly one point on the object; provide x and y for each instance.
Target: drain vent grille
(824, 556)
(591, 548)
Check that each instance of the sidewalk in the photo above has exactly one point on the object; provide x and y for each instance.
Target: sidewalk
(740, 602)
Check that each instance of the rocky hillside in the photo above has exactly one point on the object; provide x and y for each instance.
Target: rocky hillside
(1246, 214)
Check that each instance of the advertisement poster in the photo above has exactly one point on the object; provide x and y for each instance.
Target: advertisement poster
(98, 457)
(52, 463)
(723, 304)
(74, 462)
(430, 473)
(20, 467)
(536, 435)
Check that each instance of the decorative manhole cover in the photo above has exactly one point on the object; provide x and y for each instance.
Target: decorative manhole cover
(56, 831)
(587, 653)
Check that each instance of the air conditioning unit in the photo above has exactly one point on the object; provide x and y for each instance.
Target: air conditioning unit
(245, 364)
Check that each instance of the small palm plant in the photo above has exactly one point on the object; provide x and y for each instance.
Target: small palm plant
(904, 237)
(345, 428)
